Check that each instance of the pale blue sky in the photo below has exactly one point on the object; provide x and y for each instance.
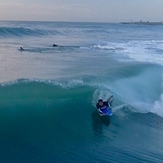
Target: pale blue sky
(84, 10)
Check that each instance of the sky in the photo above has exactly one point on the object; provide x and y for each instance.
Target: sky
(82, 11)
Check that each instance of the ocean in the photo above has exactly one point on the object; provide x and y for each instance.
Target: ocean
(48, 94)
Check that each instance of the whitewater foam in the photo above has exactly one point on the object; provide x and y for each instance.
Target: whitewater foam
(145, 51)
(158, 106)
(142, 51)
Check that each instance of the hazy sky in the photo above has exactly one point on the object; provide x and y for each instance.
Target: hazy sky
(83, 10)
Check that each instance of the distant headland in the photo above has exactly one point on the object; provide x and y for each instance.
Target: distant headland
(143, 23)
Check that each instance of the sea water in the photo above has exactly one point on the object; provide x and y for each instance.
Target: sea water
(48, 94)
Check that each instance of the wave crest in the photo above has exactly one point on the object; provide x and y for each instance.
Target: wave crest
(20, 31)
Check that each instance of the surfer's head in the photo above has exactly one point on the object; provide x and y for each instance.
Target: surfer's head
(100, 102)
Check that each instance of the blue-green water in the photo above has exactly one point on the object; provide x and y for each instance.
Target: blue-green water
(48, 94)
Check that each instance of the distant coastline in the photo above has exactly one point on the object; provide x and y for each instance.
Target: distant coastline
(143, 23)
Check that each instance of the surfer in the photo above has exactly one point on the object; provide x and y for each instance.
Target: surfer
(21, 49)
(54, 45)
(103, 106)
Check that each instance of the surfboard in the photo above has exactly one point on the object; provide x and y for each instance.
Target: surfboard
(108, 113)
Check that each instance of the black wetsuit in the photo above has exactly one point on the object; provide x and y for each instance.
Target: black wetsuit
(105, 103)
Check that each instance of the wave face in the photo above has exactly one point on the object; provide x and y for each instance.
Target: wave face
(37, 118)
(48, 121)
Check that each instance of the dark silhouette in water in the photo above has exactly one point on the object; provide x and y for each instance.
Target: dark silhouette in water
(99, 121)
(54, 45)
(21, 49)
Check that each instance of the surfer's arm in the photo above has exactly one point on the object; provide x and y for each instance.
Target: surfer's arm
(100, 112)
(110, 99)
(99, 109)
(97, 106)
